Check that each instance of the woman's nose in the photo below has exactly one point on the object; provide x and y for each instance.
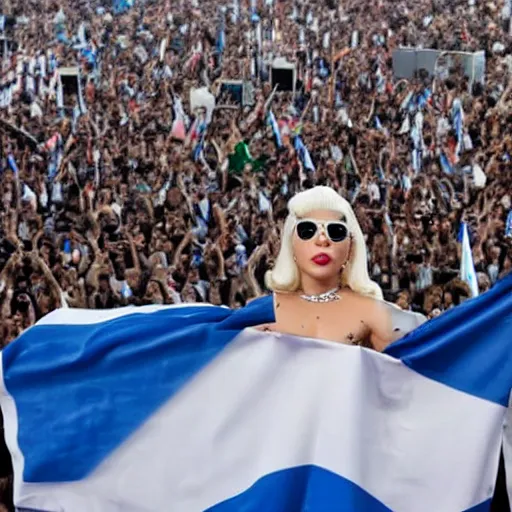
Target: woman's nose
(322, 239)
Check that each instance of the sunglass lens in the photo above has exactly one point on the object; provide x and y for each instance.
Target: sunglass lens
(306, 230)
(337, 232)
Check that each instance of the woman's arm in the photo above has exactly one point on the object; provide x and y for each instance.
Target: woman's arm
(389, 323)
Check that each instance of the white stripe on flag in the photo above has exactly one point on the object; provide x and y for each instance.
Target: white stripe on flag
(95, 316)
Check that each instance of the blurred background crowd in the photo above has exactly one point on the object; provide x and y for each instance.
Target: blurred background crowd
(116, 188)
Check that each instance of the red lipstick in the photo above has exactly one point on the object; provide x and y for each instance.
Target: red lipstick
(321, 259)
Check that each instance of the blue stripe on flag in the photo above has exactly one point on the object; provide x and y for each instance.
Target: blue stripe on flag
(482, 507)
(93, 377)
(302, 488)
(308, 488)
(467, 348)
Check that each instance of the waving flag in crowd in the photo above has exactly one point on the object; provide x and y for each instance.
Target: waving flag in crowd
(12, 164)
(467, 266)
(445, 164)
(271, 120)
(458, 125)
(183, 408)
(303, 154)
(508, 226)
(181, 120)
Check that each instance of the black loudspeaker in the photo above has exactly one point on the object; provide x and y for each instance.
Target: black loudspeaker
(69, 77)
(69, 85)
(284, 77)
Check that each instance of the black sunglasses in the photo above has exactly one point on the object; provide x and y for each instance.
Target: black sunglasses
(336, 231)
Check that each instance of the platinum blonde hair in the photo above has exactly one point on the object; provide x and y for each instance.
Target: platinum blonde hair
(285, 276)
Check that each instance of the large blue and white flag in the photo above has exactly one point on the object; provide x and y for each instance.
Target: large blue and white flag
(188, 409)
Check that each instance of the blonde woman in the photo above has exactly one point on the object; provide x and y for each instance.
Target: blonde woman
(320, 280)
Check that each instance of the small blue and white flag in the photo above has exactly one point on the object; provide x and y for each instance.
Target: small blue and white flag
(271, 120)
(304, 155)
(235, 13)
(126, 291)
(220, 43)
(81, 99)
(445, 164)
(188, 408)
(11, 163)
(379, 127)
(407, 101)
(458, 124)
(380, 81)
(467, 266)
(508, 225)
(264, 205)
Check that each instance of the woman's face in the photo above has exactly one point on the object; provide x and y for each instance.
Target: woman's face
(318, 253)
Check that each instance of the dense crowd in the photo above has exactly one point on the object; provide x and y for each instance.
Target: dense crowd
(117, 192)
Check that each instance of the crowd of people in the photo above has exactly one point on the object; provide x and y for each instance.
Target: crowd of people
(115, 191)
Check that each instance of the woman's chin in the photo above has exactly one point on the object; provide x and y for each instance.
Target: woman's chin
(323, 274)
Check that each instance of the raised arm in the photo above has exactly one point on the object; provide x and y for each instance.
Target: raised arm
(220, 219)
(179, 250)
(252, 264)
(221, 272)
(134, 253)
(55, 288)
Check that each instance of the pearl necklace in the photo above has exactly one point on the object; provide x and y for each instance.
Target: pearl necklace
(329, 296)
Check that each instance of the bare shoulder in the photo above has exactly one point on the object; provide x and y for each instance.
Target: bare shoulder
(386, 320)
(365, 304)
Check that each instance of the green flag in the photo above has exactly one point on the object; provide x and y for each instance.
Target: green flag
(240, 158)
